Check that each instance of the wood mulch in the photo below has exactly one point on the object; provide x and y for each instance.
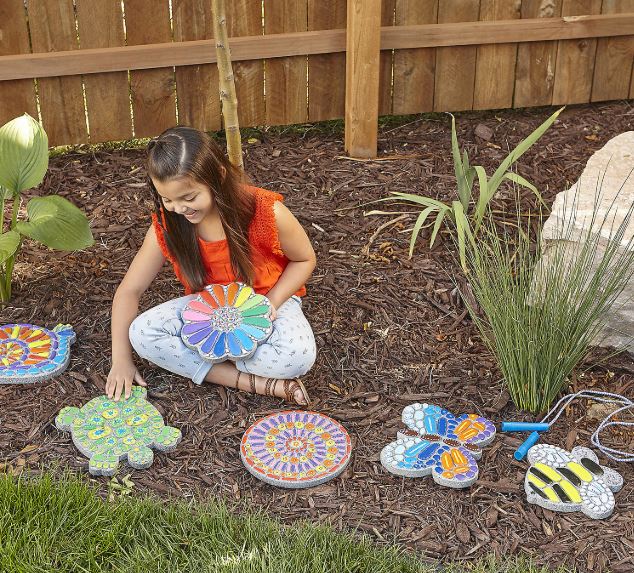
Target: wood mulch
(390, 331)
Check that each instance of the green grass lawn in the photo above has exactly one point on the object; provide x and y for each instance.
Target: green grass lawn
(49, 525)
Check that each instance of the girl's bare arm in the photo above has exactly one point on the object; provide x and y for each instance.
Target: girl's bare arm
(125, 306)
(297, 248)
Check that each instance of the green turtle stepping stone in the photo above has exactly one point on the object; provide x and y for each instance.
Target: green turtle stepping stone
(108, 432)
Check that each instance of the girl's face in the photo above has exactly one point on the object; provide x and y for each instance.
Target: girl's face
(185, 197)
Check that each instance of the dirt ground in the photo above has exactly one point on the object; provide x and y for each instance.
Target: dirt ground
(389, 330)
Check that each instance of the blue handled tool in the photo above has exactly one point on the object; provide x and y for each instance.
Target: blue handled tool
(525, 446)
(525, 427)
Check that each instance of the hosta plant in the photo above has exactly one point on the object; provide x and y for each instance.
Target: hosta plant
(466, 213)
(51, 220)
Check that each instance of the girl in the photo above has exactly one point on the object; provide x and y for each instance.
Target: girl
(214, 229)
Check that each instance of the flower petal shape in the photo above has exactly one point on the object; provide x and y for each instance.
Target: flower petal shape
(226, 322)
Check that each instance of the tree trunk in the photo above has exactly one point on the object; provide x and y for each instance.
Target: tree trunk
(227, 85)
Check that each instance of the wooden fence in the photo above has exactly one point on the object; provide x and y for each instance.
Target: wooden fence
(100, 70)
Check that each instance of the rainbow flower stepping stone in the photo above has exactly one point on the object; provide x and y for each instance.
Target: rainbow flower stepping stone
(296, 449)
(440, 444)
(108, 432)
(570, 481)
(30, 353)
(226, 322)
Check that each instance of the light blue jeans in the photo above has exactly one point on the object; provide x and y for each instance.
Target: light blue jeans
(288, 352)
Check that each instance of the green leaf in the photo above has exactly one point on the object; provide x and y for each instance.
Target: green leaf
(439, 219)
(483, 198)
(522, 148)
(524, 183)
(463, 231)
(23, 154)
(464, 193)
(420, 221)
(427, 201)
(5, 193)
(57, 223)
(9, 243)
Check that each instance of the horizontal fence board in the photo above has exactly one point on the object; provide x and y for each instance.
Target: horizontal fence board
(52, 25)
(17, 96)
(100, 25)
(313, 42)
(197, 87)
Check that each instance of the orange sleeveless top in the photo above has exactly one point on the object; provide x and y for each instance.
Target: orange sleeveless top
(268, 258)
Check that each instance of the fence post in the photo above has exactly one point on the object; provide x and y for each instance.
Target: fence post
(363, 39)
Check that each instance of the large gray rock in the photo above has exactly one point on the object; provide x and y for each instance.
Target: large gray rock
(607, 185)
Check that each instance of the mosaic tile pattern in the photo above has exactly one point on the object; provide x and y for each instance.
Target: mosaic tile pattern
(296, 449)
(108, 432)
(226, 322)
(571, 481)
(30, 353)
(440, 444)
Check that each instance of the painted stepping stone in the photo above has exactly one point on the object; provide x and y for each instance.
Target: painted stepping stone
(570, 481)
(30, 353)
(226, 322)
(108, 432)
(296, 449)
(440, 444)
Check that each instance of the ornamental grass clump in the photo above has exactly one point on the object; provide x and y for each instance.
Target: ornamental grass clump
(540, 310)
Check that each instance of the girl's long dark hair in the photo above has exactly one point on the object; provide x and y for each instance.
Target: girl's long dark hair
(184, 152)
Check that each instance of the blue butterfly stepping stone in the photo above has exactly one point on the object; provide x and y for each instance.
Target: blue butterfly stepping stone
(440, 444)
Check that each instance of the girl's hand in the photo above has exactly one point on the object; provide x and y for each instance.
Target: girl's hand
(273, 310)
(121, 377)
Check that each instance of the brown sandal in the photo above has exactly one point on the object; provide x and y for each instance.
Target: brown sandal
(270, 386)
(290, 387)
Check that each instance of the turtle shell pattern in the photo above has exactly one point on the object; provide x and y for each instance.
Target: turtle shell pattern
(30, 353)
(108, 432)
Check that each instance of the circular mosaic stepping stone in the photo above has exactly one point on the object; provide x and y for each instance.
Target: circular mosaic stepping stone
(107, 431)
(296, 449)
(226, 322)
(30, 353)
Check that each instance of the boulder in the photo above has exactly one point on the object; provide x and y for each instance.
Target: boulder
(607, 185)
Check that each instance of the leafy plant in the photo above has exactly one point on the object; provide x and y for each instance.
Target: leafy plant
(541, 311)
(467, 212)
(118, 488)
(51, 220)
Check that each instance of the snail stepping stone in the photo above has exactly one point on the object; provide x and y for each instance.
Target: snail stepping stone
(30, 353)
(109, 432)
